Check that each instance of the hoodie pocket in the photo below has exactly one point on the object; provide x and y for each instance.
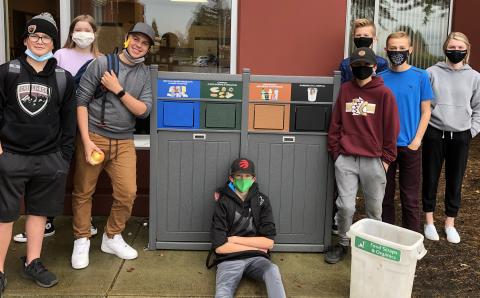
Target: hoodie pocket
(451, 117)
(27, 136)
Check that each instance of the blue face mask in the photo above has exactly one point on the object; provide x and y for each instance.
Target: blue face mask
(39, 58)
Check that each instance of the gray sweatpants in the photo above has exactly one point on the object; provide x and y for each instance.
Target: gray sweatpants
(349, 171)
(229, 274)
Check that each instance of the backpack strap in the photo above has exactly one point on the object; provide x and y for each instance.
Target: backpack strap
(60, 76)
(14, 66)
(113, 63)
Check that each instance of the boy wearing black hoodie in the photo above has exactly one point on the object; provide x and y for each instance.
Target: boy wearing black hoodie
(362, 140)
(37, 132)
(242, 233)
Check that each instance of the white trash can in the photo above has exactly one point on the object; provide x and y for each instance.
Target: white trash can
(384, 258)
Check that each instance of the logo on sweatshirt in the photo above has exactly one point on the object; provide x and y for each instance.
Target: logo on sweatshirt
(360, 107)
(33, 101)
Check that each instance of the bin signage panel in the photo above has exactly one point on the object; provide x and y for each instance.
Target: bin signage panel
(270, 91)
(179, 89)
(312, 92)
(221, 90)
(377, 249)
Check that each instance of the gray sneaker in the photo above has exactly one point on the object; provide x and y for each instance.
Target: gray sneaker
(38, 273)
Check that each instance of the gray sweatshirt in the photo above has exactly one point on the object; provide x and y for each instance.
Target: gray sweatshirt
(119, 121)
(457, 102)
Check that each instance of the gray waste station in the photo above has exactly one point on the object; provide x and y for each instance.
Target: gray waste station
(200, 123)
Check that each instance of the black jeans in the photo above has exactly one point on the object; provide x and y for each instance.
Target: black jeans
(452, 147)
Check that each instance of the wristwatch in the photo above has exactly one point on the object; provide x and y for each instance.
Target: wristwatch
(120, 94)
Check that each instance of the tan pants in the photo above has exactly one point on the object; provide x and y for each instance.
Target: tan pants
(120, 164)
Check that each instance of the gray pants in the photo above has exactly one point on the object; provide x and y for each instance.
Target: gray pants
(349, 170)
(229, 274)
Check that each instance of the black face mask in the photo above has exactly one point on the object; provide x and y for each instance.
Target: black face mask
(362, 72)
(455, 56)
(363, 42)
(397, 57)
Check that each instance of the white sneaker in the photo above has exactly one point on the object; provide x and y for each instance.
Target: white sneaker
(430, 232)
(452, 235)
(81, 247)
(118, 247)
(22, 238)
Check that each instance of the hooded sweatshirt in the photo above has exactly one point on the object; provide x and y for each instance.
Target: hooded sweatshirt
(33, 119)
(365, 121)
(119, 121)
(457, 98)
(248, 218)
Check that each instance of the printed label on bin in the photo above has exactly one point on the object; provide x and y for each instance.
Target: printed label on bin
(179, 89)
(221, 90)
(312, 92)
(377, 249)
(270, 91)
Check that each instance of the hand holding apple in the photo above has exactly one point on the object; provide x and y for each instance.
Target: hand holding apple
(96, 158)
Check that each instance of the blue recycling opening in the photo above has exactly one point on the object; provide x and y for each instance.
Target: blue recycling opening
(178, 114)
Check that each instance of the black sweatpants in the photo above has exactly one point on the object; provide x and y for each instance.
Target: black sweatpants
(452, 147)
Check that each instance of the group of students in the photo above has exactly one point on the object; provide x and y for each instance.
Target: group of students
(378, 124)
(41, 109)
(402, 117)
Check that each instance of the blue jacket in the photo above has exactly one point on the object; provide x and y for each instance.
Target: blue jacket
(347, 75)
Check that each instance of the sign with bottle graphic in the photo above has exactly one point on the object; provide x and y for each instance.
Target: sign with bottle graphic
(179, 89)
(221, 90)
(312, 92)
(270, 91)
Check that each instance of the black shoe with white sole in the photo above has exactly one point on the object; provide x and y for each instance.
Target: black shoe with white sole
(38, 273)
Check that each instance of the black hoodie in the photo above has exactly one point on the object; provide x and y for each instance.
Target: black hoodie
(225, 221)
(33, 119)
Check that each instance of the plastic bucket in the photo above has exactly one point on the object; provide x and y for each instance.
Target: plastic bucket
(384, 258)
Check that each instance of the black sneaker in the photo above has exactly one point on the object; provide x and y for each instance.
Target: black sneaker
(3, 283)
(334, 229)
(336, 253)
(38, 273)
(49, 228)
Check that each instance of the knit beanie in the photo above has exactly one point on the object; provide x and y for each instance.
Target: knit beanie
(43, 23)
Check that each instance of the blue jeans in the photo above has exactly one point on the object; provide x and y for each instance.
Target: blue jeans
(229, 274)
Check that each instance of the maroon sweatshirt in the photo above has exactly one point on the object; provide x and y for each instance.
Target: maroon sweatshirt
(365, 121)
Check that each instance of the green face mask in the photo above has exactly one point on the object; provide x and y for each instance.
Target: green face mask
(243, 185)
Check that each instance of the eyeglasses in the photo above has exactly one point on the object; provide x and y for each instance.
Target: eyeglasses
(45, 38)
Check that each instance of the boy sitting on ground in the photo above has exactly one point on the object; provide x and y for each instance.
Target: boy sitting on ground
(242, 233)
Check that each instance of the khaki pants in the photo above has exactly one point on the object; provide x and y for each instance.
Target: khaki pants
(120, 164)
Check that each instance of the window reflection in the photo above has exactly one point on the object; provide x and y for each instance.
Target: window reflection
(191, 36)
(425, 21)
(18, 13)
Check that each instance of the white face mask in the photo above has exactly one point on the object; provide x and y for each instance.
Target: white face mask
(83, 39)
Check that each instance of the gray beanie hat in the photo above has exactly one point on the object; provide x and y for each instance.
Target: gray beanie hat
(43, 23)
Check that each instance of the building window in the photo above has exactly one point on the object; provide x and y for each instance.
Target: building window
(427, 23)
(191, 35)
(17, 14)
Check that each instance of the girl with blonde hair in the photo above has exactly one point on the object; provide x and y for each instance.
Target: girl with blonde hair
(454, 122)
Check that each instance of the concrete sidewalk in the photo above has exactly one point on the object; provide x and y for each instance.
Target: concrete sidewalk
(161, 273)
